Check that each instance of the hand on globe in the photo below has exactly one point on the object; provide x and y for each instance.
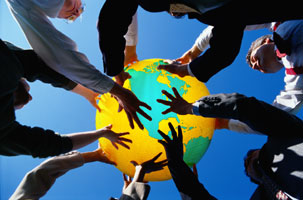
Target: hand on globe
(174, 147)
(177, 104)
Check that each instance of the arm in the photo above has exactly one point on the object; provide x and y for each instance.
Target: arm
(186, 181)
(57, 50)
(114, 20)
(38, 181)
(224, 45)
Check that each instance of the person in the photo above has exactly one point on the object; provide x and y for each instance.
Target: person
(37, 182)
(17, 139)
(184, 178)
(268, 54)
(61, 53)
(137, 188)
(231, 15)
(276, 166)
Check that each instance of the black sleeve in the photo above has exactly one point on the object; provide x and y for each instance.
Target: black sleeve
(187, 183)
(36, 69)
(114, 19)
(224, 47)
(35, 141)
(257, 114)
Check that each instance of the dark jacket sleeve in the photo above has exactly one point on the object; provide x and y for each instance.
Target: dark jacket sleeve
(24, 140)
(257, 114)
(187, 183)
(114, 19)
(36, 69)
(224, 47)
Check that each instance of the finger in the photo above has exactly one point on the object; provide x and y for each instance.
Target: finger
(124, 145)
(140, 111)
(167, 103)
(177, 95)
(130, 120)
(121, 134)
(109, 127)
(171, 97)
(165, 137)
(162, 163)
(163, 143)
(124, 177)
(180, 135)
(145, 105)
(167, 111)
(126, 140)
(195, 171)
(173, 131)
(135, 117)
(114, 144)
(157, 156)
(134, 163)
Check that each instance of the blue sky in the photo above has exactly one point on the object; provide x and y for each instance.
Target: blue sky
(221, 170)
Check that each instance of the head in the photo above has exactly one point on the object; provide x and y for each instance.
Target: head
(262, 56)
(71, 10)
(251, 161)
(21, 95)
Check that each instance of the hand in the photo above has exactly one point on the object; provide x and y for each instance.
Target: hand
(175, 68)
(150, 165)
(177, 104)
(189, 55)
(93, 101)
(115, 137)
(122, 77)
(131, 104)
(103, 158)
(147, 167)
(174, 147)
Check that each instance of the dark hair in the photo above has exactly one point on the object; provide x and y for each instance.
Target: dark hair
(21, 95)
(254, 45)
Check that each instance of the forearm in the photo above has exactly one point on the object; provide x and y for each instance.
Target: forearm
(82, 139)
(186, 182)
(112, 29)
(84, 92)
(258, 115)
(224, 47)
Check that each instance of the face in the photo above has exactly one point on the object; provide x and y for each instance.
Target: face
(71, 10)
(22, 96)
(264, 58)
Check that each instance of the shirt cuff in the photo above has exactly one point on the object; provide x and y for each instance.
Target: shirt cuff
(189, 71)
(196, 108)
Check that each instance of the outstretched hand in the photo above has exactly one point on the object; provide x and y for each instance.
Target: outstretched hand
(131, 104)
(151, 165)
(174, 147)
(115, 138)
(174, 68)
(177, 103)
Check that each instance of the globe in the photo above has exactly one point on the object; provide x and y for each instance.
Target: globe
(146, 83)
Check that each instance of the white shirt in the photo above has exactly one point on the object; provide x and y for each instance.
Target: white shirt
(55, 48)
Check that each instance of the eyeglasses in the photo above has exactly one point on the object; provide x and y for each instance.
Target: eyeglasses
(73, 17)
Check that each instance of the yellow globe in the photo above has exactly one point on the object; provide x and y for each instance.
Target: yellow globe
(147, 83)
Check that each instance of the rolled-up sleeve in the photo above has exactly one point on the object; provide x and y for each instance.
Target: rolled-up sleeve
(57, 50)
